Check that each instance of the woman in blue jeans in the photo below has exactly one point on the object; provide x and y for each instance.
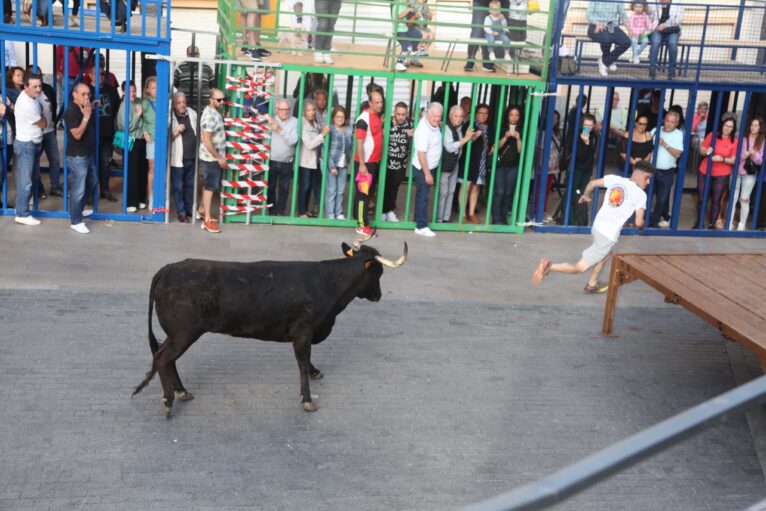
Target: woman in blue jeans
(666, 29)
(507, 168)
(310, 175)
(341, 142)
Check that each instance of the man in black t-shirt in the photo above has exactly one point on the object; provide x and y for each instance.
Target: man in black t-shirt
(399, 139)
(81, 145)
(108, 105)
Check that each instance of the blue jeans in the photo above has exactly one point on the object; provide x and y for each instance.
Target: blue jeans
(422, 190)
(663, 183)
(183, 187)
(82, 184)
(51, 150)
(502, 200)
(280, 177)
(336, 186)
(503, 38)
(411, 33)
(617, 38)
(27, 172)
(671, 41)
(638, 45)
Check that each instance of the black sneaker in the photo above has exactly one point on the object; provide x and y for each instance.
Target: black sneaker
(254, 54)
(468, 67)
(56, 192)
(489, 68)
(264, 52)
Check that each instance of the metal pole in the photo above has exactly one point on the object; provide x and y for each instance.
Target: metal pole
(168, 176)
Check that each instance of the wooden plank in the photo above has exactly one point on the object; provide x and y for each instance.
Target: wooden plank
(699, 298)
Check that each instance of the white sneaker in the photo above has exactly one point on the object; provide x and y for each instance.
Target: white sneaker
(636, 59)
(425, 231)
(508, 58)
(331, 217)
(81, 228)
(741, 226)
(318, 58)
(74, 22)
(391, 217)
(131, 209)
(492, 56)
(141, 205)
(87, 212)
(27, 220)
(340, 217)
(400, 66)
(602, 70)
(613, 67)
(327, 58)
(663, 224)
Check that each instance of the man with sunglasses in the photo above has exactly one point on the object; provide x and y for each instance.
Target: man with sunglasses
(212, 154)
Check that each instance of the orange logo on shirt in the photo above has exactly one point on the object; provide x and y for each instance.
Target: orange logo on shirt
(616, 197)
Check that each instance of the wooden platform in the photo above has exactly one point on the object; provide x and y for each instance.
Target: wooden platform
(726, 290)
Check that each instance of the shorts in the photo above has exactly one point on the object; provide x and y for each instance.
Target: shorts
(211, 175)
(150, 151)
(262, 5)
(599, 249)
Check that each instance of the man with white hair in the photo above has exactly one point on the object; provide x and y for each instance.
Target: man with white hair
(183, 130)
(284, 136)
(428, 152)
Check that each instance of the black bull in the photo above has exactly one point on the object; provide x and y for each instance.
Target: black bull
(293, 302)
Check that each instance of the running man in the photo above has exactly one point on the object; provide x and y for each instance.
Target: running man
(623, 198)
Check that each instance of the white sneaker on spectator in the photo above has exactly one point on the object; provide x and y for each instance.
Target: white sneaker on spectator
(508, 58)
(81, 228)
(142, 205)
(340, 217)
(87, 212)
(27, 220)
(663, 223)
(327, 58)
(400, 66)
(602, 70)
(73, 22)
(636, 59)
(492, 56)
(131, 209)
(425, 231)
(331, 217)
(391, 217)
(741, 226)
(318, 58)
(613, 67)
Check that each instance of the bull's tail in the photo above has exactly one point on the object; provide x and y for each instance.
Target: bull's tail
(153, 344)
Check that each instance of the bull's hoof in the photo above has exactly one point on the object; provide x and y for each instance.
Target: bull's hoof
(309, 406)
(183, 395)
(165, 409)
(317, 375)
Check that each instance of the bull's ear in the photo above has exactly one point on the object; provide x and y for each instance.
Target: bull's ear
(347, 251)
(368, 263)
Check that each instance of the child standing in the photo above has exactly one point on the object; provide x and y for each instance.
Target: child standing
(495, 30)
(640, 28)
(340, 156)
(428, 35)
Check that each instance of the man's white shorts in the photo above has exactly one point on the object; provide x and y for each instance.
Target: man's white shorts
(599, 249)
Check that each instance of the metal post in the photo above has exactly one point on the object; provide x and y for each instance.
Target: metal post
(708, 175)
(744, 131)
(494, 155)
(464, 184)
(412, 153)
(296, 160)
(681, 173)
(571, 171)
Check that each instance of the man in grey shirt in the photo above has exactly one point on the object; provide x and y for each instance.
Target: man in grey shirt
(284, 136)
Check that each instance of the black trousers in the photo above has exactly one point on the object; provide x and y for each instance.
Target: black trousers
(138, 173)
(106, 148)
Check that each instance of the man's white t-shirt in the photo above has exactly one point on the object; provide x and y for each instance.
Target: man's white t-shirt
(28, 111)
(623, 198)
(675, 139)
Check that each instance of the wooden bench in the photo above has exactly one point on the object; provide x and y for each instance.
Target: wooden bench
(726, 290)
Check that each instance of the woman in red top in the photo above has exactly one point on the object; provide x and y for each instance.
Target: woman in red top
(722, 157)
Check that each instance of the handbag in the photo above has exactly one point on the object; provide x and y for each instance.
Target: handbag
(750, 166)
(123, 142)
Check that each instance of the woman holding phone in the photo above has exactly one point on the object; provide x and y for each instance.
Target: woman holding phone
(507, 168)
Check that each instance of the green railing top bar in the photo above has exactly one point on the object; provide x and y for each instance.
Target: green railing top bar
(366, 30)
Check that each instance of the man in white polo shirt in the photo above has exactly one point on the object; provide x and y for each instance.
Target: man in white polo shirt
(671, 146)
(27, 147)
(428, 151)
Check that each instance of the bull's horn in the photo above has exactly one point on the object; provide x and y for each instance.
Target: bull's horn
(356, 245)
(393, 264)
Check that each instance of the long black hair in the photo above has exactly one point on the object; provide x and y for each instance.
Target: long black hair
(724, 119)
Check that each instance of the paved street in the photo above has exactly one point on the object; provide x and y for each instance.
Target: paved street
(463, 382)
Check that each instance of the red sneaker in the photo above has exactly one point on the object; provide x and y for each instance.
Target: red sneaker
(364, 231)
(210, 226)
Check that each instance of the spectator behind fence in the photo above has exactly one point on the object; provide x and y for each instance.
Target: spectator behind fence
(27, 146)
(750, 159)
(138, 166)
(479, 164)
(517, 24)
(399, 137)
(427, 35)
(80, 151)
(212, 156)
(569, 127)
(618, 120)
(3, 136)
(478, 14)
(310, 169)
(507, 167)
(428, 151)
(454, 140)
(496, 32)
(652, 112)
(327, 14)
(639, 28)
(50, 145)
(669, 151)
(587, 141)
(554, 162)
(666, 29)
(107, 103)
(183, 151)
(341, 142)
(251, 23)
(186, 76)
(722, 161)
(641, 144)
(406, 16)
(604, 18)
(149, 123)
(369, 150)
(284, 136)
